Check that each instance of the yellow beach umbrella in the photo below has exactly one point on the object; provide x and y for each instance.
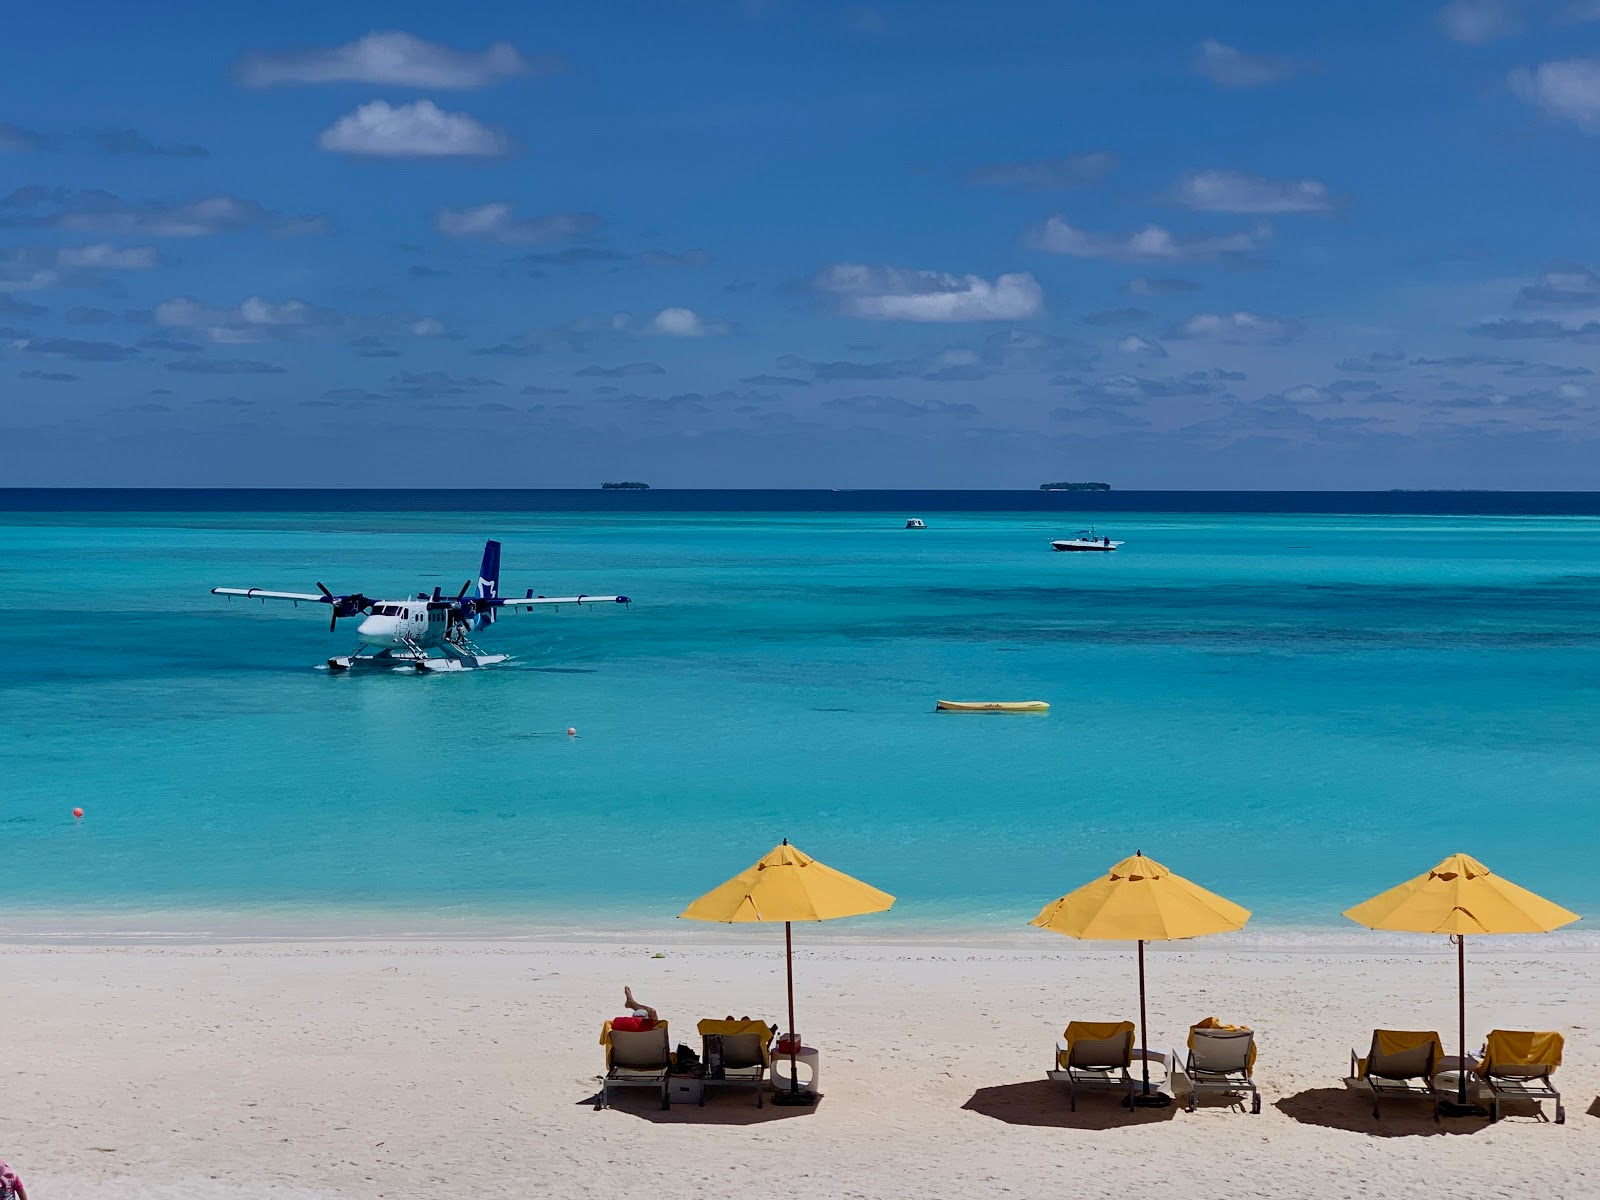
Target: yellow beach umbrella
(1139, 900)
(1458, 897)
(788, 885)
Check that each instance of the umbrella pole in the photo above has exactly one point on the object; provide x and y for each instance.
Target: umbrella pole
(1146, 1098)
(1461, 1016)
(1461, 1106)
(794, 1095)
(788, 962)
(1144, 1022)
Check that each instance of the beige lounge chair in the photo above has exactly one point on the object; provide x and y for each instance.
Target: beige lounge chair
(1222, 1059)
(640, 1058)
(1095, 1054)
(1401, 1063)
(1517, 1065)
(736, 1052)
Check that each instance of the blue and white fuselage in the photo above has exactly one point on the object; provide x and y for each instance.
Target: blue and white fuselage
(423, 632)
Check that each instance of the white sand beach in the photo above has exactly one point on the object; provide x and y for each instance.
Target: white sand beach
(309, 1071)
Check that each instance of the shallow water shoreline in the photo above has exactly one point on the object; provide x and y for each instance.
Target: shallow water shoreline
(1012, 937)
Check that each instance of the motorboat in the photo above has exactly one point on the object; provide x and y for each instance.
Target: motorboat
(916, 523)
(1085, 539)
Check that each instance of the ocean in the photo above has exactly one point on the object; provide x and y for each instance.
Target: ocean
(1294, 699)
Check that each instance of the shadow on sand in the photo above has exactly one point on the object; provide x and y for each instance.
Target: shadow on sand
(1044, 1104)
(1340, 1108)
(736, 1108)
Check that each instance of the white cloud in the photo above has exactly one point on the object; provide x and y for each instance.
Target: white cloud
(1144, 285)
(1217, 190)
(1230, 67)
(1567, 87)
(1565, 284)
(15, 139)
(392, 57)
(1305, 393)
(420, 129)
(495, 222)
(897, 294)
(95, 211)
(106, 257)
(255, 320)
(1047, 174)
(1147, 347)
(23, 279)
(1478, 21)
(684, 322)
(428, 327)
(1239, 328)
(1153, 243)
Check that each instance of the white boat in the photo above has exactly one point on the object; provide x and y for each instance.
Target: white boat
(1085, 539)
(916, 523)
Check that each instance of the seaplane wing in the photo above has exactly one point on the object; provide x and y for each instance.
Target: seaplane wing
(259, 594)
(531, 602)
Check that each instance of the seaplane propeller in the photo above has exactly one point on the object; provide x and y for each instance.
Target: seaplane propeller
(343, 606)
(466, 606)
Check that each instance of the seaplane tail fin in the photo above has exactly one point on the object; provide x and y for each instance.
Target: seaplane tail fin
(488, 583)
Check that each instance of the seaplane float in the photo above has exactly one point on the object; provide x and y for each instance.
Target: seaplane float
(425, 632)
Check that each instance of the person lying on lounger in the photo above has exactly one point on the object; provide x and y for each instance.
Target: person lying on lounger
(641, 1016)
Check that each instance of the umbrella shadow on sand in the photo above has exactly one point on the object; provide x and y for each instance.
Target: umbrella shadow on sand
(1340, 1108)
(717, 1110)
(1044, 1105)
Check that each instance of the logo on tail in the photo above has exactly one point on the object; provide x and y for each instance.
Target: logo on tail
(488, 583)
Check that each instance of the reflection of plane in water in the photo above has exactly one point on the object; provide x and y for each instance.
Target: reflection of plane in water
(423, 633)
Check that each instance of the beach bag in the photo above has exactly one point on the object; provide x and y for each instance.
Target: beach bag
(688, 1060)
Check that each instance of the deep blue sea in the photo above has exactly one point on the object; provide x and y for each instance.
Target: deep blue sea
(1295, 699)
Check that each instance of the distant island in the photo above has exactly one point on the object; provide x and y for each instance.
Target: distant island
(1074, 487)
(627, 485)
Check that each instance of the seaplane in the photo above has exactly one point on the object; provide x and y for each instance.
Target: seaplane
(425, 632)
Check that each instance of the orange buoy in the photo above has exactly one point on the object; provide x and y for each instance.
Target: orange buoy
(77, 812)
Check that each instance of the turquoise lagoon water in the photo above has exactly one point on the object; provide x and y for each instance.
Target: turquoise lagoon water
(1296, 710)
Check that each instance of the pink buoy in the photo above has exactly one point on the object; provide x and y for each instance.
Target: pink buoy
(572, 731)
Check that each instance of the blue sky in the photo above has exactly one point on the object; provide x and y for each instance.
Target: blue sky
(803, 245)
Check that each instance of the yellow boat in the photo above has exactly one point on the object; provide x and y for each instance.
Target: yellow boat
(991, 706)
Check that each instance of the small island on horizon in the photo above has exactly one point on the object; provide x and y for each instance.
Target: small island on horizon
(627, 485)
(1074, 487)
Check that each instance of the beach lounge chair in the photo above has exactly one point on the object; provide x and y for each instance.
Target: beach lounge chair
(1401, 1063)
(1517, 1066)
(1095, 1054)
(1222, 1058)
(636, 1059)
(736, 1052)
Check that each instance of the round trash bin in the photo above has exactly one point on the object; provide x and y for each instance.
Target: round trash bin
(806, 1067)
(1447, 1079)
